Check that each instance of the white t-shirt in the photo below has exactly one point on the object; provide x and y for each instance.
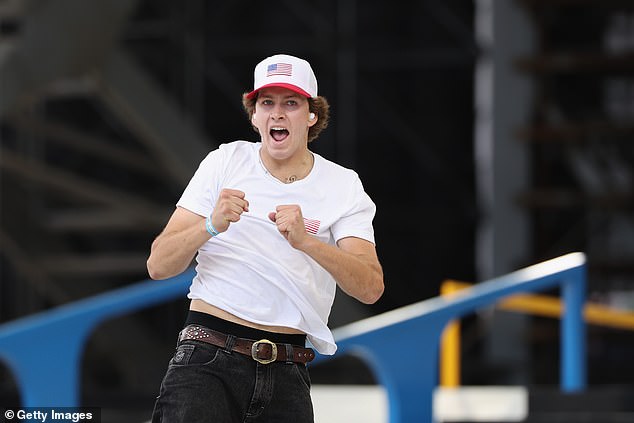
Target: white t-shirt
(251, 270)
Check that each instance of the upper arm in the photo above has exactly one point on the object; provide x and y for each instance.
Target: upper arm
(363, 249)
(168, 257)
(369, 284)
(180, 220)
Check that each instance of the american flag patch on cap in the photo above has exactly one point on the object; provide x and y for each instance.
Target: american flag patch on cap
(311, 225)
(279, 69)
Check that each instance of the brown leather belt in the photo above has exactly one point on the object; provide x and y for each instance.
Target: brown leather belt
(262, 351)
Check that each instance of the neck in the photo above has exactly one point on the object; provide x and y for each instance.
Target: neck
(289, 170)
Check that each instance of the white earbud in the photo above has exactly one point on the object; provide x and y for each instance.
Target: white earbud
(311, 116)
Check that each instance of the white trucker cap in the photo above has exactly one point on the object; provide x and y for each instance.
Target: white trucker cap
(285, 71)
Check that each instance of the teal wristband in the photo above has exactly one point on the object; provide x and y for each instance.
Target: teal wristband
(210, 228)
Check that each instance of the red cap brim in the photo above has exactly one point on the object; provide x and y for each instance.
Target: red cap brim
(283, 85)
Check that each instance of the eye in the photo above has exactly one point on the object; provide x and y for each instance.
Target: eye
(266, 102)
(291, 102)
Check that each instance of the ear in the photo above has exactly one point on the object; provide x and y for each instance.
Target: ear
(312, 119)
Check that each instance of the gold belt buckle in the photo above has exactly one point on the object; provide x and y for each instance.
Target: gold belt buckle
(254, 351)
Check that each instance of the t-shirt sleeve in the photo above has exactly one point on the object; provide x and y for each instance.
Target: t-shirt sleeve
(357, 219)
(201, 192)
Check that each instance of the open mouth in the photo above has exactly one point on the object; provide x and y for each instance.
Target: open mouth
(279, 134)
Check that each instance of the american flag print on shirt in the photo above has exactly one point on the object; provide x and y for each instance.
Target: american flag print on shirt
(279, 69)
(311, 225)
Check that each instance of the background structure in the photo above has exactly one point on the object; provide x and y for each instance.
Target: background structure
(492, 134)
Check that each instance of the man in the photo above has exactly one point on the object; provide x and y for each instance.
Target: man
(275, 228)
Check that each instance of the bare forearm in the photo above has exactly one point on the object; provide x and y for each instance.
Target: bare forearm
(173, 250)
(358, 275)
(353, 263)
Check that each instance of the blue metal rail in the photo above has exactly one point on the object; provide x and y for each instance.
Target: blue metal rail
(402, 345)
(44, 350)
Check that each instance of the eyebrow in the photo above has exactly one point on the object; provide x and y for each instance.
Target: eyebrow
(285, 98)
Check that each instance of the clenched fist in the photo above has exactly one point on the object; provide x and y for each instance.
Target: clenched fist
(229, 207)
(290, 223)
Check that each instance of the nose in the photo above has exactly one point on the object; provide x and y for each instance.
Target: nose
(277, 113)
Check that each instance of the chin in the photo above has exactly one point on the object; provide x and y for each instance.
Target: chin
(276, 150)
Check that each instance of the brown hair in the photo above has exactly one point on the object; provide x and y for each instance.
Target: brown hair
(317, 105)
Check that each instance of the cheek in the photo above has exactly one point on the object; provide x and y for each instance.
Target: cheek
(255, 120)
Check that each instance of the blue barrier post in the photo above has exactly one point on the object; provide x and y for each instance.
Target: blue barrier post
(45, 361)
(573, 335)
(44, 350)
(404, 362)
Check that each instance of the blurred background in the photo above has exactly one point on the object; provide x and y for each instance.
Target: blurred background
(491, 134)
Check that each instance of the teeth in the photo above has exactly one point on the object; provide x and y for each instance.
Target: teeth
(278, 129)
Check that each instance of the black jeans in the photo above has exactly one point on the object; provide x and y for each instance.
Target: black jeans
(205, 383)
